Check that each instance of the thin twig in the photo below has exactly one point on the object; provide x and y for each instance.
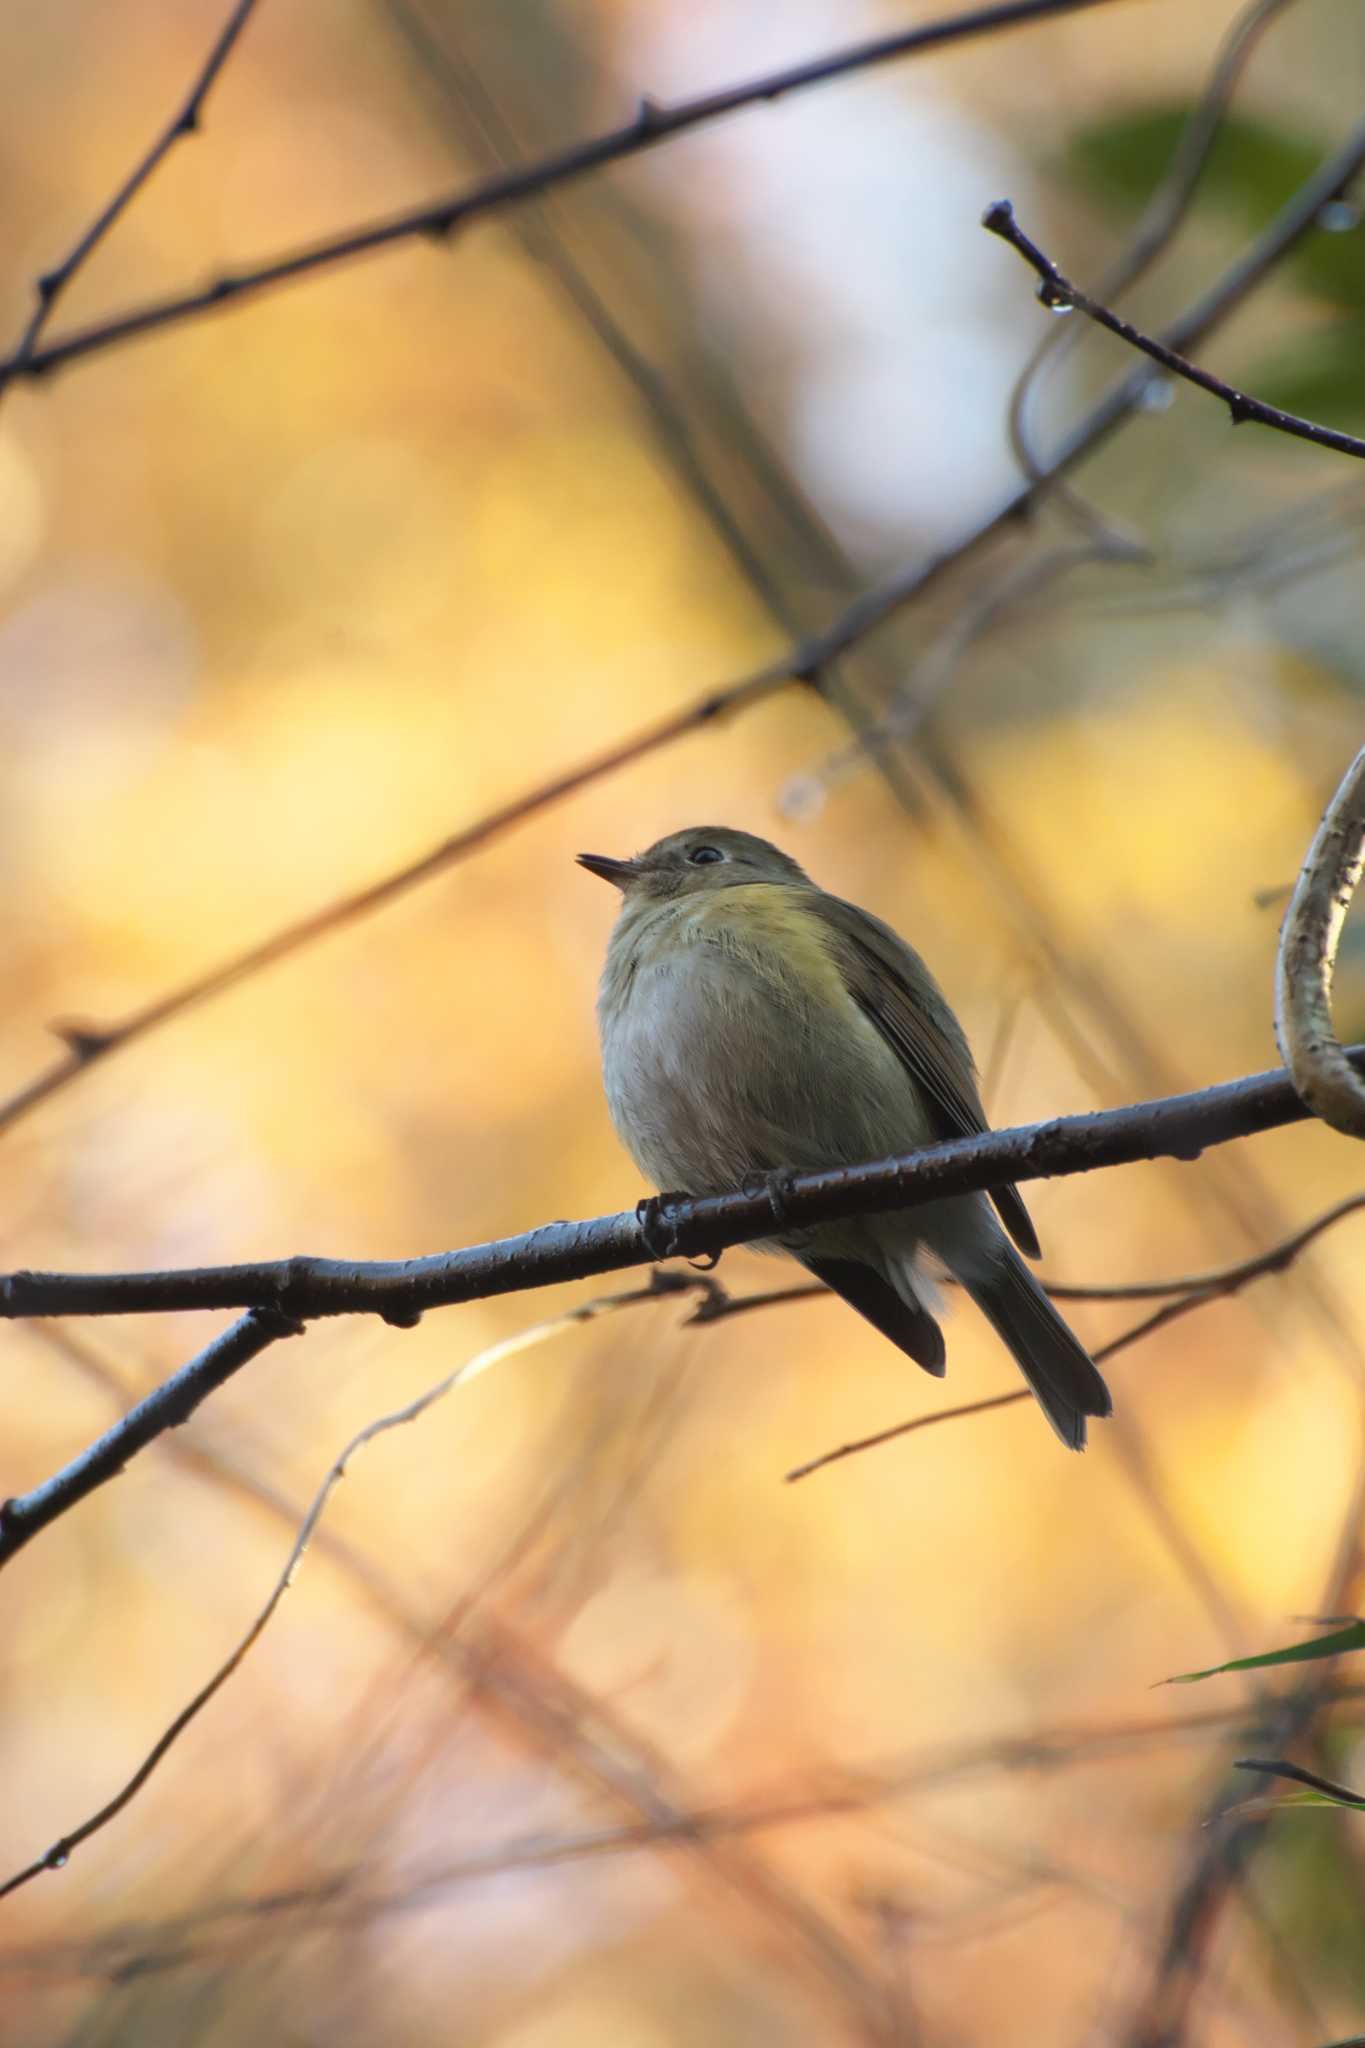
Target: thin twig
(1165, 211)
(915, 700)
(60, 1853)
(1193, 1292)
(1225, 1839)
(573, 1730)
(1306, 961)
(858, 1788)
(280, 1294)
(807, 661)
(49, 287)
(1221, 1279)
(653, 124)
(1060, 295)
(86, 1043)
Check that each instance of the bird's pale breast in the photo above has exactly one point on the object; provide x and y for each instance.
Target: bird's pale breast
(732, 1046)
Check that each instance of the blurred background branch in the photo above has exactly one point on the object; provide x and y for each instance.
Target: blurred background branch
(284, 595)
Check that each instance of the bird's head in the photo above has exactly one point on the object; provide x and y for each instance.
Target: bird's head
(702, 858)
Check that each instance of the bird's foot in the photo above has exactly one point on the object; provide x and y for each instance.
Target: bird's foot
(772, 1188)
(658, 1227)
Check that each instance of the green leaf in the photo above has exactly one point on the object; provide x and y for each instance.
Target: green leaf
(1322, 378)
(1252, 168)
(1307, 1881)
(1352, 1638)
(1332, 265)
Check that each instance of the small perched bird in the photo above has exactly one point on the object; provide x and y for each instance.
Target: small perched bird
(750, 1022)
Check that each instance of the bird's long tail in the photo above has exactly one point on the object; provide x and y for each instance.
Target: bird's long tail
(1053, 1360)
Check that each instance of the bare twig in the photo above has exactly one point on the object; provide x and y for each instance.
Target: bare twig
(931, 677)
(1193, 1292)
(280, 1294)
(1060, 295)
(52, 283)
(1165, 212)
(1306, 961)
(857, 1788)
(1221, 1279)
(60, 1853)
(667, 1226)
(806, 661)
(539, 1705)
(87, 1043)
(652, 125)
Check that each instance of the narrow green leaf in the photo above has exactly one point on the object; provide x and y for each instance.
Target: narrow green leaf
(1324, 1790)
(1352, 1638)
(1252, 169)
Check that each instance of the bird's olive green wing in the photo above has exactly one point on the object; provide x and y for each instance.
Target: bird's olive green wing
(895, 990)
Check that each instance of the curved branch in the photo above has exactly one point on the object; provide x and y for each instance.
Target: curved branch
(1319, 1067)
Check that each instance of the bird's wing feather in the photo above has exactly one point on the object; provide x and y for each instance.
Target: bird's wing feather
(896, 992)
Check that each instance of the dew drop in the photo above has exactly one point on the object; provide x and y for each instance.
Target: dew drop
(58, 1859)
(1338, 216)
(1055, 299)
(803, 799)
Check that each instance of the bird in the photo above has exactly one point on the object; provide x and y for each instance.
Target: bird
(752, 1024)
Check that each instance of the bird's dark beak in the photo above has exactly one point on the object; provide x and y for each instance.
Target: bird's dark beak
(619, 872)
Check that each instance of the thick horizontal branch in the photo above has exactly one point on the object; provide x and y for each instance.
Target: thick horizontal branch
(652, 125)
(303, 1288)
(280, 1296)
(1060, 295)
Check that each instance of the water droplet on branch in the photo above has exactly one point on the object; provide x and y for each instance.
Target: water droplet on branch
(1157, 394)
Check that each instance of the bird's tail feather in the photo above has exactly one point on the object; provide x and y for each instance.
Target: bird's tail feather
(1053, 1360)
(897, 1312)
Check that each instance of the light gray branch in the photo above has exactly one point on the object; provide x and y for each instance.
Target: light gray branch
(1320, 1069)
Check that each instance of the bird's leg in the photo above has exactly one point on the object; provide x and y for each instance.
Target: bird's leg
(654, 1215)
(773, 1189)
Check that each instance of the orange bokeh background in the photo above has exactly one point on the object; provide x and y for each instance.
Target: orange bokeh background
(288, 595)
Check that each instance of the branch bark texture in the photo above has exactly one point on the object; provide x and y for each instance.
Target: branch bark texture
(303, 1288)
(1320, 1068)
(279, 1296)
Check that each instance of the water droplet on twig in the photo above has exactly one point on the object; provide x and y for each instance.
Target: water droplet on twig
(1338, 216)
(803, 799)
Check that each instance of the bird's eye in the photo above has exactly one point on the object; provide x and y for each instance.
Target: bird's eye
(701, 856)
